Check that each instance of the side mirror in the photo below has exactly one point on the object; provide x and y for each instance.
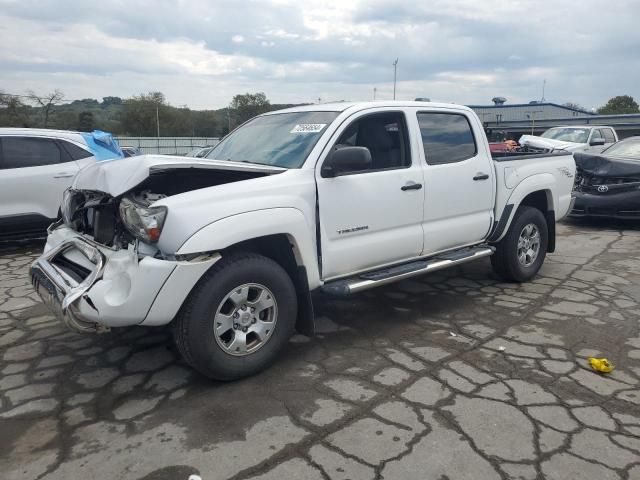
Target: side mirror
(596, 141)
(346, 160)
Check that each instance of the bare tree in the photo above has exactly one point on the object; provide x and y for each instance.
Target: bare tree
(47, 102)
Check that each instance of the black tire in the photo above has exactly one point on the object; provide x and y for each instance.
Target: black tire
(194, 326)
(505, 260)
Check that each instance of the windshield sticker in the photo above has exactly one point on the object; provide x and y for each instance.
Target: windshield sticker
(308, 128)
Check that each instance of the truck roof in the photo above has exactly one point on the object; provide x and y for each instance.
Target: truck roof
(356, 106)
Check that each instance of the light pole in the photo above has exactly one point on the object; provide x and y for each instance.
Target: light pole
(158, 119)
(395, 75)
(532, 115)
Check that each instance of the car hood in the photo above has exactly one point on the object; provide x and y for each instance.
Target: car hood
(599, 165)
(118, 176)
(549, 143)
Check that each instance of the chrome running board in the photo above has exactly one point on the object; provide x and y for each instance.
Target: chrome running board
(387, 275)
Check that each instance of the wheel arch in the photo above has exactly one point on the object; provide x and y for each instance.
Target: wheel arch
(281, 234)
(536, 191)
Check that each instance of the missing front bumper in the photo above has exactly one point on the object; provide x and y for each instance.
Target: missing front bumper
(60, 290)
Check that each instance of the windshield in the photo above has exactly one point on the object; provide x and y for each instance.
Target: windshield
(281, 140)
(629, 148)
(575, 135)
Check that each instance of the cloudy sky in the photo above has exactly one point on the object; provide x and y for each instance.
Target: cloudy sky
(202, 52)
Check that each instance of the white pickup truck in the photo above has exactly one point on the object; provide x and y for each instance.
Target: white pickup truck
(343, 197)
(571, 138)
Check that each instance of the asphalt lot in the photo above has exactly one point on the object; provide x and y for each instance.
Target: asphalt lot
(449, 376)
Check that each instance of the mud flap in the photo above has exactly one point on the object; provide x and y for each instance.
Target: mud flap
(305, 323)
(550, 216)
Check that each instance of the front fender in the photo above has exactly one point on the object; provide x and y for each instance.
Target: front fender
(238, 228)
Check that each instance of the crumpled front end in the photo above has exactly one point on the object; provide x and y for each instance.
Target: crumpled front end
(91, 287)
(606, 187)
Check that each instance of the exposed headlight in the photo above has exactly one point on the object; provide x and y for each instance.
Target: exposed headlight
(144, 223)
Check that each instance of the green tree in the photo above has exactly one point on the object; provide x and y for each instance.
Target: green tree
(620, 105)
(248, 106)
(85, 122)
(46, 103)
(142, 114)
(13, 112)
(575, 106)
(106, 101)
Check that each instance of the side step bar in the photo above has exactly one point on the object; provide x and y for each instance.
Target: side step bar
(377, 278)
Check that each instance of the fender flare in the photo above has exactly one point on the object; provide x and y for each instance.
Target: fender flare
(539, 182)
(245, 226)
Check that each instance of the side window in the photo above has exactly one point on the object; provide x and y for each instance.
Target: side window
(21, 152)
(386, 137)
(608, 135)
(447, 137)
(75, 152)
(597, 133)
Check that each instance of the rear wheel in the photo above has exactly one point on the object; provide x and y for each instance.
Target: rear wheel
(238, 318)
(521, 252)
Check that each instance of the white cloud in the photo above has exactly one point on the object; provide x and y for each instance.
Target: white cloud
(202, 52)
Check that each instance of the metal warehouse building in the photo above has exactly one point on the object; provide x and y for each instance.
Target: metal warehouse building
(503, 120)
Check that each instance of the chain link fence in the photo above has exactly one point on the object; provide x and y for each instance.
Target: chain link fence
(167, 145)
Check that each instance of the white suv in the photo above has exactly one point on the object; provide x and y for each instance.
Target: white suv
(36, 167)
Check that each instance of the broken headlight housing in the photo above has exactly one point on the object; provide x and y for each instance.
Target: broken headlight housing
(144, 223)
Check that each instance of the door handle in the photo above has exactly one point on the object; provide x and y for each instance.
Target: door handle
(411, 186)
(63, 175)
(481, 176)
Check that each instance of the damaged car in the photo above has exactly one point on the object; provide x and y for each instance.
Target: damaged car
(340, 197)
(608, 183)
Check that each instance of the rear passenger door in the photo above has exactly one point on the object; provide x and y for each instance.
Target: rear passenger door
(34, 172)
(459, 180)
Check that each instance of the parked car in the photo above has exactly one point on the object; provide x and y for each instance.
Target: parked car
(571, 138)
(343, 197)
(131, 151)
(36, 167)
(608, 183)
(200, 152)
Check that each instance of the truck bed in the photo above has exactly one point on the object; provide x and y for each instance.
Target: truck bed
(511, 156)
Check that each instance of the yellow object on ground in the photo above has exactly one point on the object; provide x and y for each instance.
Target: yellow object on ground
(601, 365)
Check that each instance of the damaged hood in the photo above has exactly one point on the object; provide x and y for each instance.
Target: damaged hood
(549, 143)
(598, 165)
(118, 176)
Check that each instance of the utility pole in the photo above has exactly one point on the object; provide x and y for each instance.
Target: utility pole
(158, 119)
(374, 92)
(395, 75)
(544, 85)
(532, 114)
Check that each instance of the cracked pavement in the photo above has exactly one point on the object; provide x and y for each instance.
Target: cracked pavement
(449, 376)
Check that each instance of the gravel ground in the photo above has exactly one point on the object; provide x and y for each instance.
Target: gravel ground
(450, 376)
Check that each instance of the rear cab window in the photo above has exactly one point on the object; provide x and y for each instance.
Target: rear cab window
(446, 137)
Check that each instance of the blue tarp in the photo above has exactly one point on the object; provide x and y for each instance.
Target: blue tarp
(103, 145)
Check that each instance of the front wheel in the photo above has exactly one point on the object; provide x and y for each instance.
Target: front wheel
(238, 318)
(520, 254)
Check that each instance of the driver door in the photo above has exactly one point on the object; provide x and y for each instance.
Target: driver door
(370, 218)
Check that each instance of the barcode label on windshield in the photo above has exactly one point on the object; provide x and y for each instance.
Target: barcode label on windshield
(308, 128)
